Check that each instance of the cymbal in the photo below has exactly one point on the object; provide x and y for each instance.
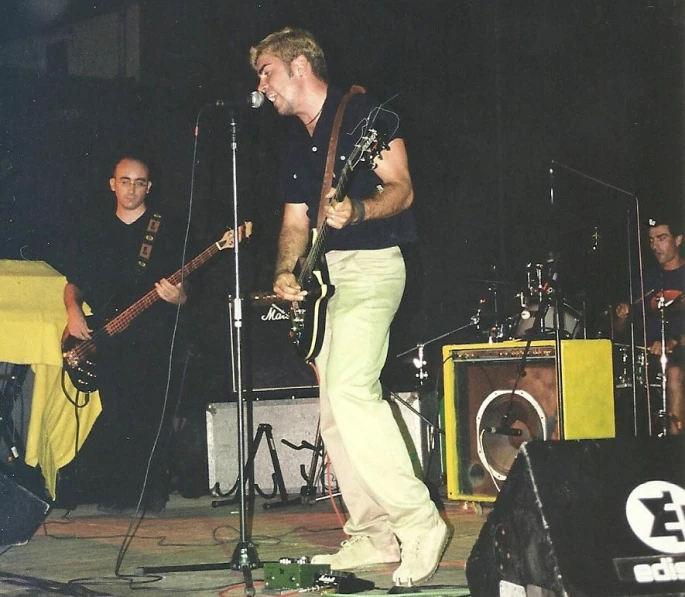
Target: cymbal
(673, 300)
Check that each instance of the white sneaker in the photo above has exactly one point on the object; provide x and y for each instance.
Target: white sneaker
(359, 552)
(421, 555)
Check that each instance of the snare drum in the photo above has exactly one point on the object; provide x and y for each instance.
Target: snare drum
(570, 321)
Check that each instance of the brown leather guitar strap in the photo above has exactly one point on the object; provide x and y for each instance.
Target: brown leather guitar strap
(332, 146)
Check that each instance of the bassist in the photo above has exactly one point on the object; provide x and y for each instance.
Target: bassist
(128, 252)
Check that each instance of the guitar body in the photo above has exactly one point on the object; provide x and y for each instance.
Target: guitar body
(82, 370)
(308, 317)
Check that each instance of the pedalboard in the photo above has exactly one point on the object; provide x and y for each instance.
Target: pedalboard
(292, 573)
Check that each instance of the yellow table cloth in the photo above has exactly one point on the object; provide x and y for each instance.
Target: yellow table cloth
(32, 319)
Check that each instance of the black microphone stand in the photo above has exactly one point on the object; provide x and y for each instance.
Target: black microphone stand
(553, 292)
(244, 558)
(548, 297)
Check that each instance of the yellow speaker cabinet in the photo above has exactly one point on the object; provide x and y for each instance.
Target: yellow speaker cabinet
(498, 396)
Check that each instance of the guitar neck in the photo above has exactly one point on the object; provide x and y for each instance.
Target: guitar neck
(123, 320)
(362, 147)
(322, 229)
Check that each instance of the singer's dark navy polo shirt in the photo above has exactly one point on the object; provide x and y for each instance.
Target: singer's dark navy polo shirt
(303, 162)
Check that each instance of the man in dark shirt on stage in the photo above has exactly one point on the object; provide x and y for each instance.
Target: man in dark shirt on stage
(116, 263)
(391, 516)
(664, 288)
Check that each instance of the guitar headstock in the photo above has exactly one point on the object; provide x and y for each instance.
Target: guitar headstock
(369, 147)
(376, 149)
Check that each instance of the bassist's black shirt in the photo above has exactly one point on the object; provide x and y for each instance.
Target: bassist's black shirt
(303, 162)
(106, 272)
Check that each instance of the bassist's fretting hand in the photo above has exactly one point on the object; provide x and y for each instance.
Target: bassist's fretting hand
(174, 294)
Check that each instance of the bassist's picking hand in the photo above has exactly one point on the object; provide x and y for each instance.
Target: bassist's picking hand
(77, 325)
(287, 288)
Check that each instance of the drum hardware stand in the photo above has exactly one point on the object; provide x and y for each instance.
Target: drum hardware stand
(498, 327)
(419, 361)
(245, 557)
(553, 294)
(663, 361)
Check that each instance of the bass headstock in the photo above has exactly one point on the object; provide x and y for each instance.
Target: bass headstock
(227, 241)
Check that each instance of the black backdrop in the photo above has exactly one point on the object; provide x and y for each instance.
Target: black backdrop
(491, 93)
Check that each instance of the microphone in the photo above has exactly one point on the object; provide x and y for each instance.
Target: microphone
(503, 431)
(254, 100)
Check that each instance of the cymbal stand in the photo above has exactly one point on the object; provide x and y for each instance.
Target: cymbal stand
(663, 360)
(419, 361)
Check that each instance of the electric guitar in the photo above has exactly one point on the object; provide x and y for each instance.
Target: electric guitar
(308, 317)
(79, 356)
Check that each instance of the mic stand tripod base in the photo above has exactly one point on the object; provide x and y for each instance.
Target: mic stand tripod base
(245, 559)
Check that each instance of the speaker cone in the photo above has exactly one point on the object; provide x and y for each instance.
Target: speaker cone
(506, 420)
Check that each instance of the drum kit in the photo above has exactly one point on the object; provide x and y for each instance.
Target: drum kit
(540, 310)
(539, 313)
(635, 369)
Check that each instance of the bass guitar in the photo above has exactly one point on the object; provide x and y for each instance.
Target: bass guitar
(79, 356)
(308, 317)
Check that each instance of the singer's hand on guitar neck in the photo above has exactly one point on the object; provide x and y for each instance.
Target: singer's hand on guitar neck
(339, 213)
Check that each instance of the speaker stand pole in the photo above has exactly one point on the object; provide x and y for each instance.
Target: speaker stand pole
(245, 557)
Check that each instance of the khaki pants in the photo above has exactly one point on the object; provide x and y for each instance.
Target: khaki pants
(363, 441)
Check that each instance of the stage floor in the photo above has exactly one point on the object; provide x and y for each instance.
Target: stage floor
(107, 555)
